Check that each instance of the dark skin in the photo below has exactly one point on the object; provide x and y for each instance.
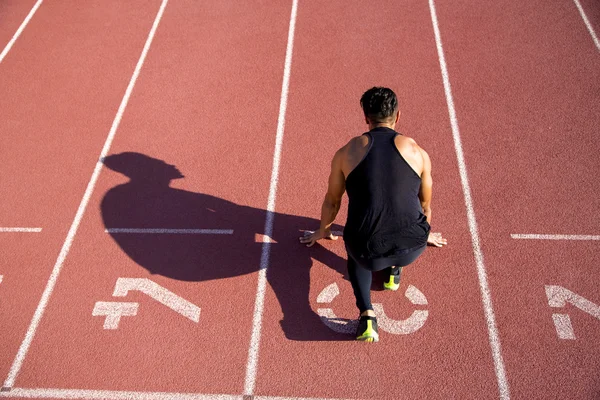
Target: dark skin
(348, 157)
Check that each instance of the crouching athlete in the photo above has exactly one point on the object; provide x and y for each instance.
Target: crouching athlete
(388, 180)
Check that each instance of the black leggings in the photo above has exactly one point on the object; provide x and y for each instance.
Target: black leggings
(361, 272)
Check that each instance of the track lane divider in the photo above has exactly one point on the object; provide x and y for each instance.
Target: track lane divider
(588, 25)
(486, 296)
(37, 316)
(20, 30)
(250, 381)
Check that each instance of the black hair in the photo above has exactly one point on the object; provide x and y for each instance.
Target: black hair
(379, 104)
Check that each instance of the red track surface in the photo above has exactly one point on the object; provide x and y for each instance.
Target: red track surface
(525, 79)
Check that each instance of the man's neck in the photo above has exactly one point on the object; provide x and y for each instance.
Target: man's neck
(381, 125)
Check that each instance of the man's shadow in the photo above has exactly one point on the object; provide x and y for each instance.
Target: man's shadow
(148, 202)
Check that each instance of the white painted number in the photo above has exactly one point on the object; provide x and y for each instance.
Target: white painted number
(558, 297)
(113, 311)
(387, 324)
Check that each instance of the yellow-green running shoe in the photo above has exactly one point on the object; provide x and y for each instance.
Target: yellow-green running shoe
(367, 329)
(393, 281)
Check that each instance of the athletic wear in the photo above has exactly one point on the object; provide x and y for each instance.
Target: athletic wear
(367, 329)
(386, 226)
(393, 279)
(360, 271)
(385, 217)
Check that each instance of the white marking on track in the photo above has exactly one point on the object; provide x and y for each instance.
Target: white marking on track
(400, 327)
(16, 229)
(328, 294)
(158, 293)
(171, 231)
(415, 296)
(537, 236)
(486, 296)
(20, 30)
(250, 380)
(113, 311)
(64, 251)
(1, 277)
(564, 329)
(587, 24)
(558, 296)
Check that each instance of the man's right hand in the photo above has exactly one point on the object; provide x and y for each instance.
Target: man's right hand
(436, 239)
(311, 237)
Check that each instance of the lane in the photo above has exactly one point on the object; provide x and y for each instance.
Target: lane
(339, 53)
(191, 159)
(50, 107)
(525, 79)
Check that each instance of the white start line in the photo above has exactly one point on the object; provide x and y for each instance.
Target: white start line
(20, 230)
(538, 236)
(51, 393)
(171, 231)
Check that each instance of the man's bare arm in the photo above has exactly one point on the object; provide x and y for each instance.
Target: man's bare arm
(434, 239)
(426, 186)
(332, 202)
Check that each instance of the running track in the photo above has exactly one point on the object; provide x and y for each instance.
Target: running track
(248, 101)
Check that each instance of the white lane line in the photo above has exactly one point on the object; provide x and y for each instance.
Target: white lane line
(553, 237)
(30, 230)
(486, 297)
(16, 366)
(171, 231)
(250, 381)
(20, 30)
(587, 24)
(111, 395)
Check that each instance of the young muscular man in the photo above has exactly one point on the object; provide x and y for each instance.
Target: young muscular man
(388, 180)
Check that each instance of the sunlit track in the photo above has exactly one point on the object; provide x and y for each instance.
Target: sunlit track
(142, 256)
(250, 380)
(486, 296)
(23, 349)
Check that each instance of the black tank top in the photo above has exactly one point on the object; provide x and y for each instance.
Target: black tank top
(385, 216)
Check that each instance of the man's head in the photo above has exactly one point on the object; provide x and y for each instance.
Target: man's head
(380, 106)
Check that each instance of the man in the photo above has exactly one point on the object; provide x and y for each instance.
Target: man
(388, 180)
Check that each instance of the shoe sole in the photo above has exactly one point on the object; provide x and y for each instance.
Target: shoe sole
(370, 339)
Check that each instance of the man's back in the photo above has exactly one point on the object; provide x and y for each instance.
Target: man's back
(384, 213)
(356, 149)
